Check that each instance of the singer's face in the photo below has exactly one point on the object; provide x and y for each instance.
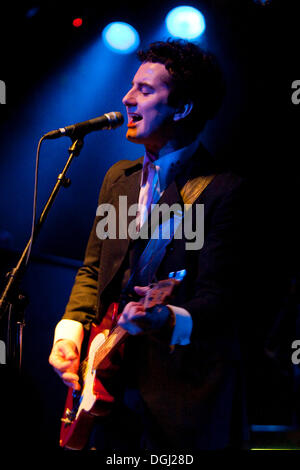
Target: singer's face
(150, 117)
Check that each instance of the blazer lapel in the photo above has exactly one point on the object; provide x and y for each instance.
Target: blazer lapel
(125, 192)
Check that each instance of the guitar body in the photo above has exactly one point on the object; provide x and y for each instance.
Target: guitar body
(92, 400)
(99, 370)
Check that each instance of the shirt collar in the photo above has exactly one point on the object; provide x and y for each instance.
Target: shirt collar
(169, 165)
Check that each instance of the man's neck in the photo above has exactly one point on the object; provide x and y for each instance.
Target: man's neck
(169, 147)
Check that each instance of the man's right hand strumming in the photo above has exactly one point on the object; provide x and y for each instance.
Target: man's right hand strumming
(64, 358)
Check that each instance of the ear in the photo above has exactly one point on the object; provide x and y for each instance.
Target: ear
(183, 111)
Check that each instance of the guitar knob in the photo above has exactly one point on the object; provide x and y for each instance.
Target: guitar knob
(68, 413)
(66, 420)
(69, 417)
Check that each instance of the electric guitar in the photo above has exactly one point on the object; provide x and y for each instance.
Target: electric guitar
(106, 339)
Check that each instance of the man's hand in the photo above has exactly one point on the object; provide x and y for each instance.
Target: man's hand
(136, 320)
(64, 358)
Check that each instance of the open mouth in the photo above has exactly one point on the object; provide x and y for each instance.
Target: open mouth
(134, 118)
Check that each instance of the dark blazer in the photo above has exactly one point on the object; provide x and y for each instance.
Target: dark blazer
(195, 393)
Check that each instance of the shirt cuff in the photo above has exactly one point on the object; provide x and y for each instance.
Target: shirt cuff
(69, 329)
(183, 326)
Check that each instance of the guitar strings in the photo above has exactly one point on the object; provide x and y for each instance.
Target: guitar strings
(102, 350)
(105, 348)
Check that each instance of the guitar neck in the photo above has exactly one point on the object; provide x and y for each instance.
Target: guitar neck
(115, 338)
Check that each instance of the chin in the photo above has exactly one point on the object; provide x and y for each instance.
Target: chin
(131, 138)
(134, 138)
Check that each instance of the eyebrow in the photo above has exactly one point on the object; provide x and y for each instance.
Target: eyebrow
(141, 84)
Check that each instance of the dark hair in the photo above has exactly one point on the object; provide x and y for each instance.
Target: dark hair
(196, 76)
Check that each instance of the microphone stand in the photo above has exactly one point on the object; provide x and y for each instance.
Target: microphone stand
(11, 300)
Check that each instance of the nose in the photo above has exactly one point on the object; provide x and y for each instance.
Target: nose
(129, 98)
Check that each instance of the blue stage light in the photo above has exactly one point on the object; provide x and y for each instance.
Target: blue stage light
(185, 22)
(121, 37)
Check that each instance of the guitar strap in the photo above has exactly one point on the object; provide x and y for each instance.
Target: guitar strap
(149, 261)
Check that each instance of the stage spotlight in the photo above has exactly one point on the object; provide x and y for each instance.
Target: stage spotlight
(185, 22)
(121, 37)
(77, 22)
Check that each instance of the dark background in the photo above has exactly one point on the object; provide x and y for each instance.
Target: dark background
(56, 75)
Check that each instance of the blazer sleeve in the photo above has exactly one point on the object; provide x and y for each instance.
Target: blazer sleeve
(82, 304)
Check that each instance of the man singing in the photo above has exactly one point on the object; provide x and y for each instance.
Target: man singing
(180, 382)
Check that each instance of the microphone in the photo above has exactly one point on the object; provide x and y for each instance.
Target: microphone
(107, 121)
